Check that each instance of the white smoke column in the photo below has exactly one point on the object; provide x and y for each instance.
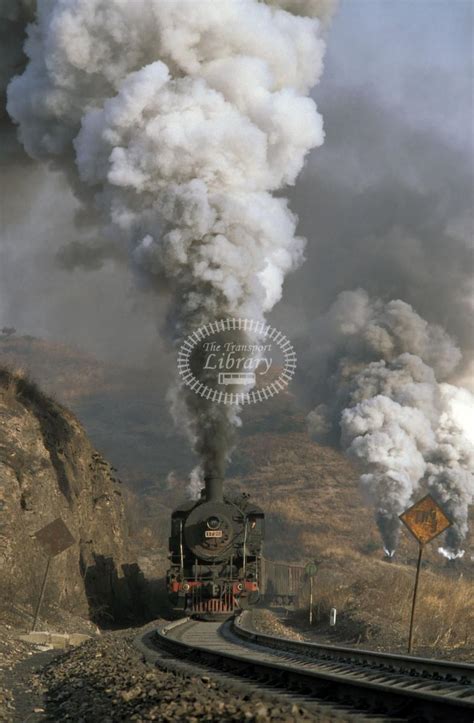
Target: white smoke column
(395, 417)
(451, 468)
(181, 118)
(195, 483)
(388, 439)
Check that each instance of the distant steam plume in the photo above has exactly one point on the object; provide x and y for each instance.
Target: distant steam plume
(180, 119)
(380, 374)
(451, 465)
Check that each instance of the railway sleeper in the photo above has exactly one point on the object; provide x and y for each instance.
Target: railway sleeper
(326, 688)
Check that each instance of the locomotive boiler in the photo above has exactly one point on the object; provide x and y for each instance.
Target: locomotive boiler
(215, 554)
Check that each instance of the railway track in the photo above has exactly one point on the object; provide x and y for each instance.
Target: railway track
(341, 683)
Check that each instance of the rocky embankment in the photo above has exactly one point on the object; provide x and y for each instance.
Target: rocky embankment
(105, 680)
(48, 469)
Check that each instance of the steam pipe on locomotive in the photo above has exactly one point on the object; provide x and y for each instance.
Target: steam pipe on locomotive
(215, 554)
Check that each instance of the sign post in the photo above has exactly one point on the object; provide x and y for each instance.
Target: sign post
(310, 570)
(54, 539)
(425, 520)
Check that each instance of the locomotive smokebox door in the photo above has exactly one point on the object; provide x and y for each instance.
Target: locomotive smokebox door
(209, 531)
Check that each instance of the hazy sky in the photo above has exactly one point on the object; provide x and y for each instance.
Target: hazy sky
(385, 204)
(414, 56)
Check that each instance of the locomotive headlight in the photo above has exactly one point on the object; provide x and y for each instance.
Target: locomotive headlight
(186, 587)
(213, 523)
(240, 586)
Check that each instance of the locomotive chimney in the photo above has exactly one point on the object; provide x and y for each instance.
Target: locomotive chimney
(214, 489)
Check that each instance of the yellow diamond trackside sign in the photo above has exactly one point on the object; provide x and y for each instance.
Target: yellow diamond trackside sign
(425, 520)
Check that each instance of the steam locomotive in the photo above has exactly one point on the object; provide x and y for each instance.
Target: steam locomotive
(215, 554)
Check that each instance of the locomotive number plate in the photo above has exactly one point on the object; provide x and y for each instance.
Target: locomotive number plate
(213, 533)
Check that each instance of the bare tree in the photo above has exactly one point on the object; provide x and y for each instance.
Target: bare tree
(8, 330)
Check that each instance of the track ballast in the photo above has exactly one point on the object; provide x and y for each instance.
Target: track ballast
(358, 684)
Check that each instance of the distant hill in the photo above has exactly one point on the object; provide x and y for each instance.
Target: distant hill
(124, 410)
(310, 492)
(61, 370)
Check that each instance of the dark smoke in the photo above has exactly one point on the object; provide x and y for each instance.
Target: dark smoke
(387, 207)
(178, 122)
(14, 16)
(88, 256)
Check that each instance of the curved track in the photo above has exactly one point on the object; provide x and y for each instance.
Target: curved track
(352, 684)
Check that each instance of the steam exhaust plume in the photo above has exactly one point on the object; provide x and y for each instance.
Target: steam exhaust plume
(393, 413)
(178, 120)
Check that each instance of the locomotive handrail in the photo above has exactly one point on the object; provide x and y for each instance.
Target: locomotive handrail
(181, 552)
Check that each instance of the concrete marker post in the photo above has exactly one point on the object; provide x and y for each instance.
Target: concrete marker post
(311, 569)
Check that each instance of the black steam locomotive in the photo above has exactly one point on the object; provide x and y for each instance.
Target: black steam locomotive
(215, 553)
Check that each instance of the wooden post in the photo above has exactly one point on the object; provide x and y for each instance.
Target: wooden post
(311, 600)
(415, 591)
(41, 596)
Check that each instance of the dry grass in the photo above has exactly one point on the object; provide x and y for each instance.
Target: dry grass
(373, 601)
(314, 510)
(16, 383)
(312, 500)
(309, 492)
(10, 377)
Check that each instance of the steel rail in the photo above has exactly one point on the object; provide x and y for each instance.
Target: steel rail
(429, 668)
(162, 648)
(379, 683)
